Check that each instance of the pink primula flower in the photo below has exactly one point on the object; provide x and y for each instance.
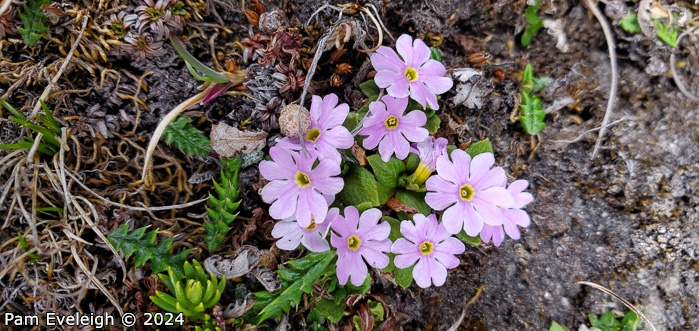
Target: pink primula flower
(359, 238)
(412, 74)
(514, 215)
(430, 245)
(326, 134)
(297, 189)
(312, 237)
(392, 131)
(469, 191)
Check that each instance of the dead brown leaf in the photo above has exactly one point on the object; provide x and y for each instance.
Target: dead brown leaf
(228, 141)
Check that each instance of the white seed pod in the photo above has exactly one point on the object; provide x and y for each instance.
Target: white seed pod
(289, 121)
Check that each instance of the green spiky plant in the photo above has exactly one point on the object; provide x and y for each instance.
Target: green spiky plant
(222, 207)
(186, 137)
(194, 292)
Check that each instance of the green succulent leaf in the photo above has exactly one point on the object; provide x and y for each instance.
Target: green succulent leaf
(144, 248)
(668, 33)
(404, 277)
(370, 89)
(186, 137)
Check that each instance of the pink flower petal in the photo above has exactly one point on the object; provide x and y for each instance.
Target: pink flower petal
(473, 223)
(495, 177)
(374, 257)
(395, 83)
(451, 246)
(315, 243)
(432, 69)
(403, 246)
(338, 137)
(453, 219)
(421, 54)
(395, 105)
(490, 214)
(358, 270)
(517, 216)
(404, 46)
(461, 165)
(311, 205)
(414, 119)
(404, 261)
(386, 59)
(480, 165)
(449, 261)
(285, 206)
(498, 196)
(316, 109)
(368, 220)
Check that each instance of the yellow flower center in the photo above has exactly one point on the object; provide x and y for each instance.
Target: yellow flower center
(410, 74)
(302, 179)
(391, 122)
(313, 135)
(426, 248)
(354, 242)
(466, 192)
(312, 226)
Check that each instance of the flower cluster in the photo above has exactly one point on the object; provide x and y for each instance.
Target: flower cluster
(464, 190)
(145, 28)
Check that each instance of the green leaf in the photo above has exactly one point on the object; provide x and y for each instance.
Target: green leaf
(435, 54)
(534, 23)
(475, 241)
(533, 114)
(528, 79)
(404, 277)
(630, 23)
(631, 322)
(480, 147)
(144, 248)
(386, 173)
(556, 327)
(668, 33)
(186, 137)
(360, 189)
(414, 199)
(395, 227)
(384, 193)
(212, 75)
(370, 89)
(34, 21)
(308, 268)
(331, 310)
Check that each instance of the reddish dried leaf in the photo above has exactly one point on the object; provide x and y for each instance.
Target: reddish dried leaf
(399, 206)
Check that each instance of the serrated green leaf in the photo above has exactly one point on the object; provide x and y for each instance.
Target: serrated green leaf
(370, 89)
(480, 147)
(33, 20)
(144, 248)
(309, 268)
(414, 199)
(630, 23)
(404, 277)
(668, 33)
(186, 137)
(360, 189)
(386, 173)
(528, 79)
(331, 310)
